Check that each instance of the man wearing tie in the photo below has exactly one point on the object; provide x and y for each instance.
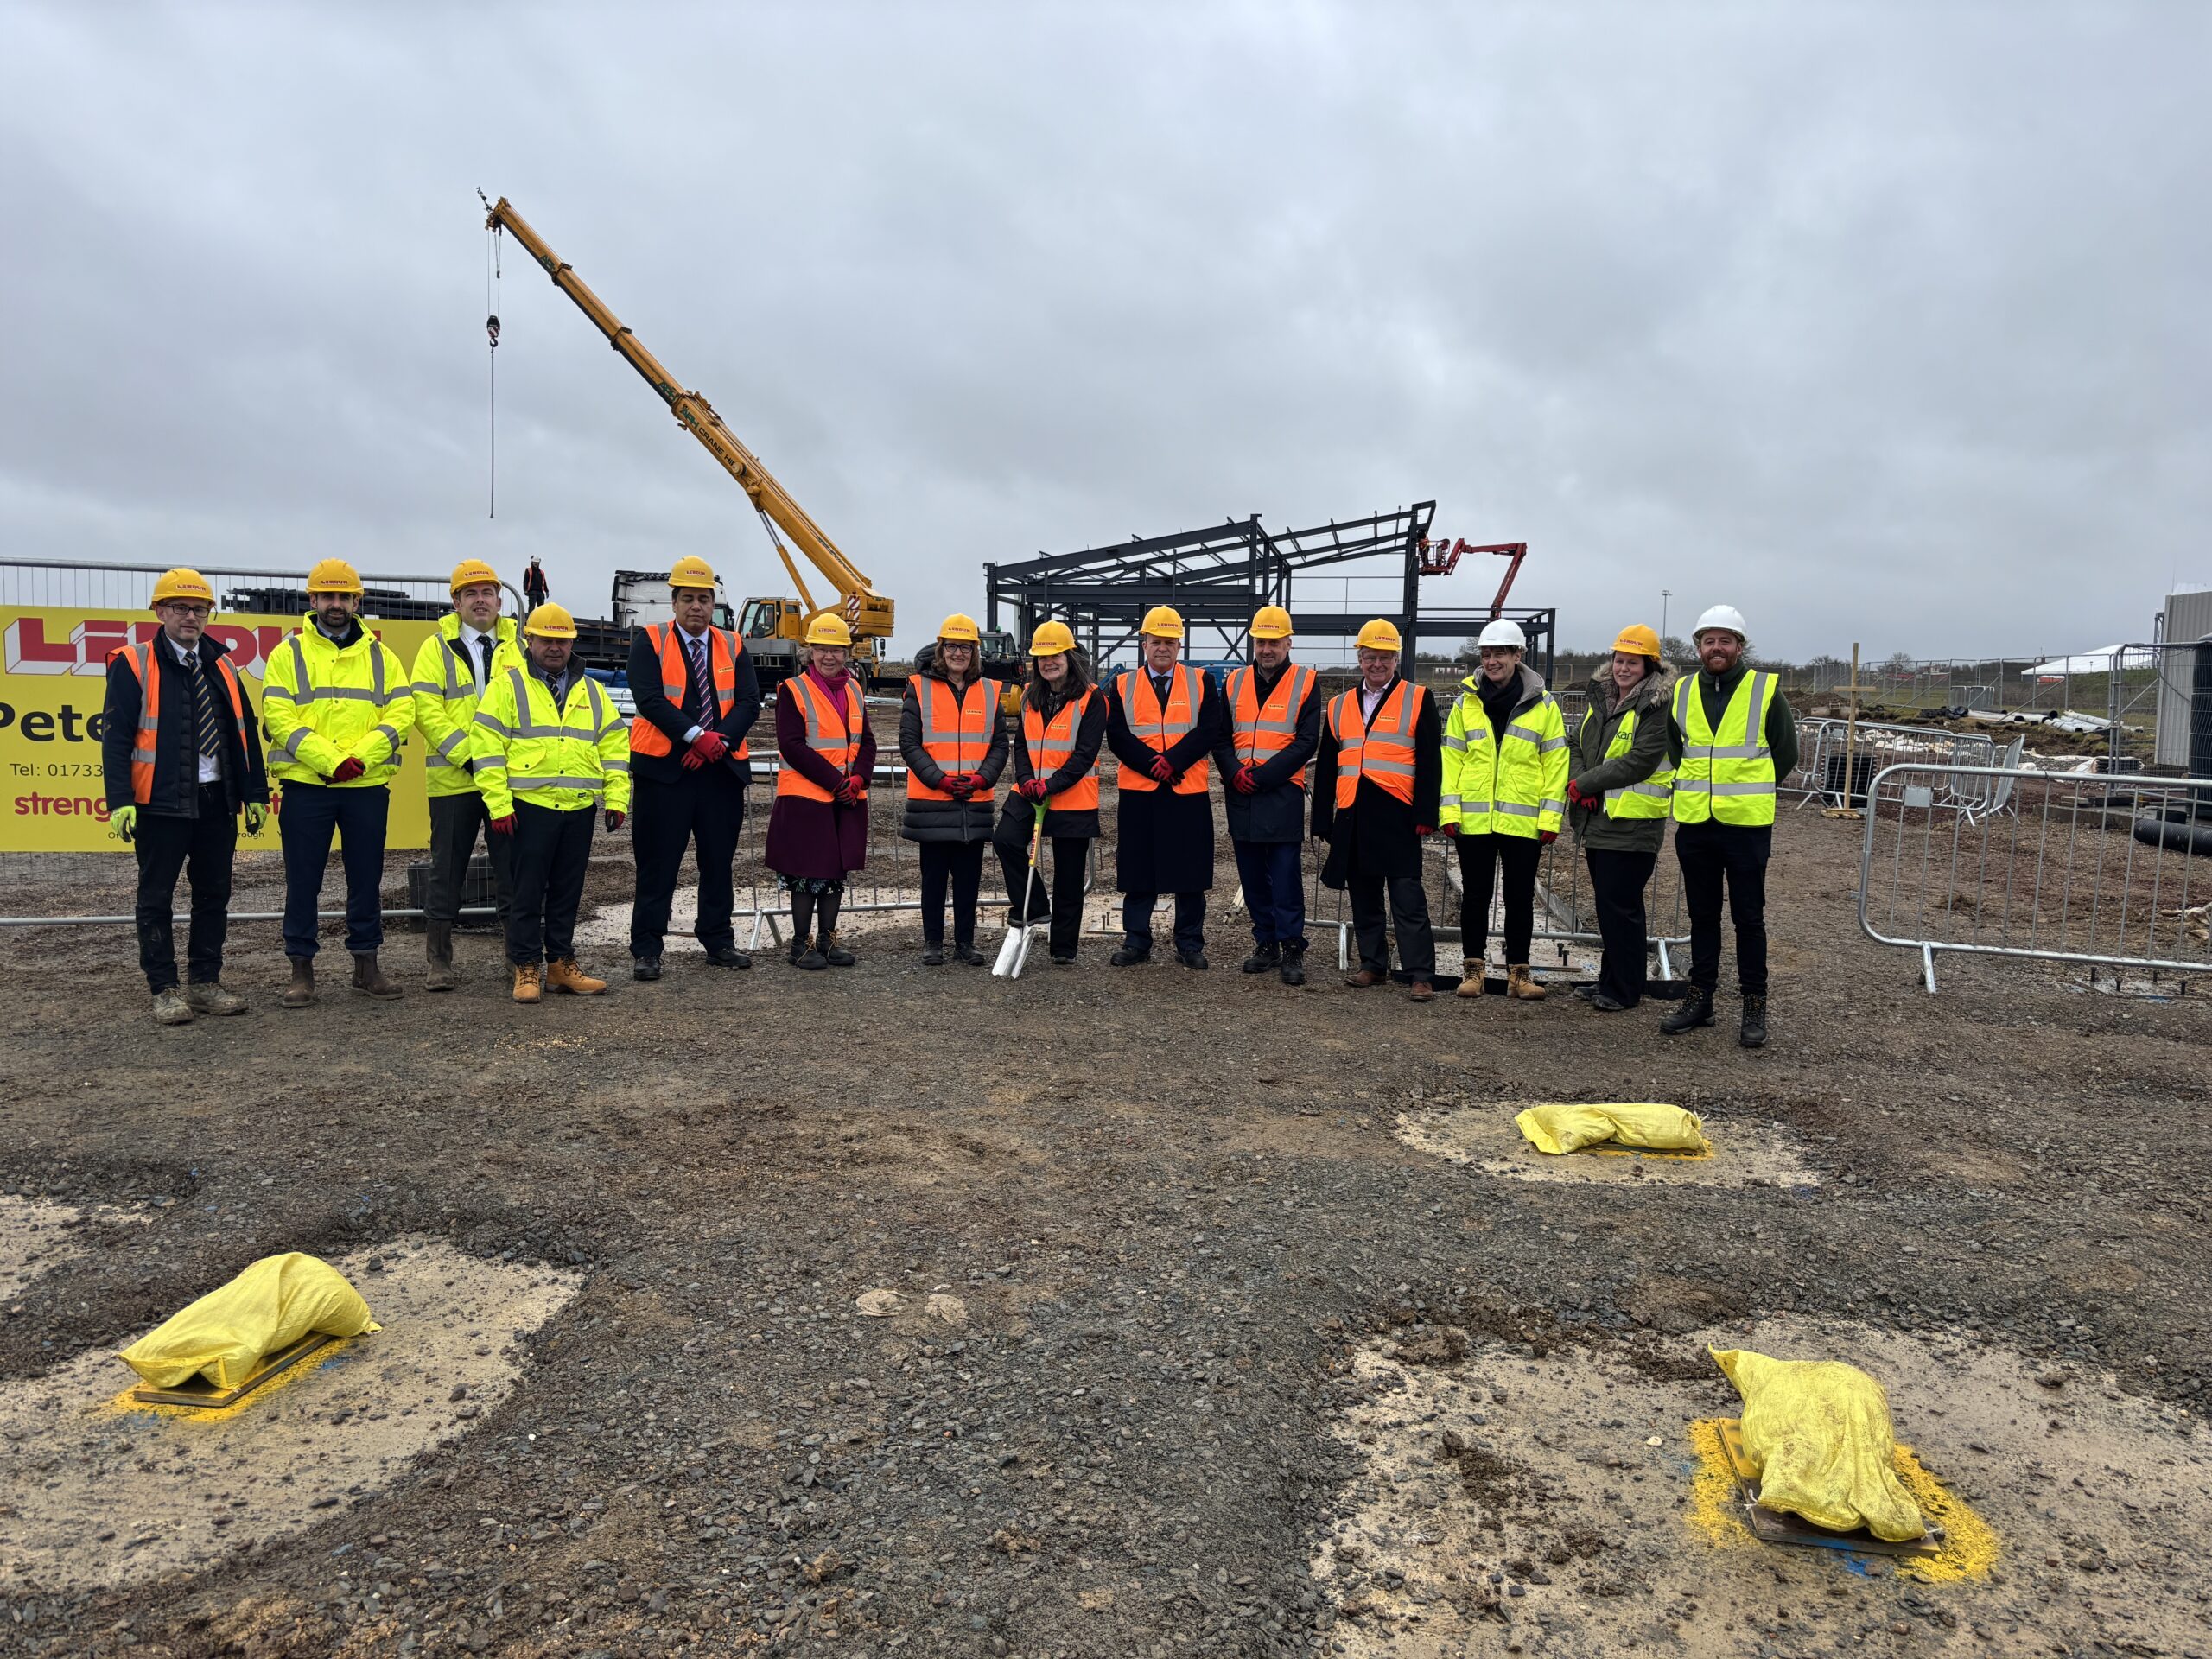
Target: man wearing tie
(696, 697)
(472, 643)
(1163, 719)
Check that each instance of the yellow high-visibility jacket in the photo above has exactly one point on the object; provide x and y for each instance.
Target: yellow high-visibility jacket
(445, 700)
(1509, 783)
(321, 706)
(564, 758)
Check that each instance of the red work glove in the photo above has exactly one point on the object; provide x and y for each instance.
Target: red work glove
(348, 770)
(709, 746)
(1033, 790)
(1424, 829)
(1547, 836)
(960, 784)
(615, 820)
(1246, 782)
(853, 791)
(691, 761)
(1162, 771)
(504, 826)
(1452, 831)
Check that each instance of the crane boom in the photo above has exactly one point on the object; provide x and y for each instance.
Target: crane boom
(867, 612)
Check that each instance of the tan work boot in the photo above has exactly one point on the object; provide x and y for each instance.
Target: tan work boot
(528, 981)
(1521, 983)
(300, 991)
(368, 978)
(208, 996)
(170, 1008)
(1470, 981)
(437, 954)
(565, 976)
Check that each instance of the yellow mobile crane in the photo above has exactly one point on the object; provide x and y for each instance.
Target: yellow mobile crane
(774, 628)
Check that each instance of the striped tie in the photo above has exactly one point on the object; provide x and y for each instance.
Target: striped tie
(204, 720)
(701, 686)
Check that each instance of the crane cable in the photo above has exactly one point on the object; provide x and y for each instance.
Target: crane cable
(491, 296)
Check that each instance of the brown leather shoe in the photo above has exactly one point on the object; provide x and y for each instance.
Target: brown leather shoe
(1422, 991)
(1364, 978)
(1520, 982)
(300, 991)
(529, 982)
(368, 978)
(565, 976)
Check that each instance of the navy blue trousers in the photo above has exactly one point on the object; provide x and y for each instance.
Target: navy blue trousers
(312, 812)
(1274, 890)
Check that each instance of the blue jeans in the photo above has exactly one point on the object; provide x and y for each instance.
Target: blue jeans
(1274, 890)
(312, 812)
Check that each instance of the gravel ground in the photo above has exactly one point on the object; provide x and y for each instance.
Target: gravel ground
(1169, 1210)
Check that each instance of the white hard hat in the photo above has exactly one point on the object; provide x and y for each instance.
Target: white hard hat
(1502, 633)
(1722, 616)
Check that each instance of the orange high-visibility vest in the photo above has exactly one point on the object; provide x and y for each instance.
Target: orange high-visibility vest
(722, 652)
(1167, 727)
(956, 733)
(145, 745)
(837, 741)
(1384, 753)
(1258, 734)
(1050, 743)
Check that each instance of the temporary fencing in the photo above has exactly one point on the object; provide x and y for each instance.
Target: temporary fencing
(2087, 868)
(1836, 758)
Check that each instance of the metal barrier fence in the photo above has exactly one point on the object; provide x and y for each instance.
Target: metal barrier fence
(1826, 773)
(2061, 876)
(35, 582)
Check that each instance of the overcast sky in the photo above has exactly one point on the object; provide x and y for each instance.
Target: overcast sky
(1882, 323)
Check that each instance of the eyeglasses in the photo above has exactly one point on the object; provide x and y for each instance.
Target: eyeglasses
(178, 607)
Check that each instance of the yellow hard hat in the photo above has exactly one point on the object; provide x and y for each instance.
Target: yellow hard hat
(182, 583)
(551, 621)
(1053, 639)
(334, 576)
(691, 571)
(828, 629)
(1637, 640)
(1380, 634)
(1271, 622)
(1163, 622)
(469, 572)
(959, 625)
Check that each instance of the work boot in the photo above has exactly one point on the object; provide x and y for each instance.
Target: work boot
(1754, 1032)
(727, 955)
(1364, 978)
(1696, 1010)
(437, 954)
(1192, 959)
(1521, 983)
(300, 991)
(368, 978)
(529, 982)
(964, 951)
(832, 953)
(208, 996)
(1471, 982)
(1264, 957)
(804, 954)
(170, 1008)
(1294, 964)
(1423, 991)
(1130, 953)
(932, 953)
(564, 975)
(645, 968)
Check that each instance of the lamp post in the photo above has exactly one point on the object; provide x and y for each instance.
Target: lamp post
(1665, 594)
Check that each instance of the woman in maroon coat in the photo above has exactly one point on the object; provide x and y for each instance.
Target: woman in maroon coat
(818, 828)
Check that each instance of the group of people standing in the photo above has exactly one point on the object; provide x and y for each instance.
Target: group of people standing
(525, 751)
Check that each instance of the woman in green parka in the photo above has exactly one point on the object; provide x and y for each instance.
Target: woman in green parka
(1618, 798)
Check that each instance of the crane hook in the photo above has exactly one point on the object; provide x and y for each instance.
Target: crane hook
(492, 328)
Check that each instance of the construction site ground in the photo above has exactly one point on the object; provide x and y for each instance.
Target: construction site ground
(900, 1310)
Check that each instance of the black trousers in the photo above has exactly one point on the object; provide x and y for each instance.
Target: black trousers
(552, 850)
(1070, 857)
(1711, 854)
(200, 848)
(1190, 918)
(705, 811)
(455, 822)
(1479, 858)
(1408, 907)
(961, 864)
(1617, 878)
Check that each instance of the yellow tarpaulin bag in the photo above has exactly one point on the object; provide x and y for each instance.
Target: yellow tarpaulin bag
(1818, 1432)
(1568, 1129)
(270, 1305)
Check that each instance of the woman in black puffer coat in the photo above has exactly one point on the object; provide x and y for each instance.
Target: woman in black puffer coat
(953, 740)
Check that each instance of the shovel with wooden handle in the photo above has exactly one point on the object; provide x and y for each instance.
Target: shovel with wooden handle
(1015, 952)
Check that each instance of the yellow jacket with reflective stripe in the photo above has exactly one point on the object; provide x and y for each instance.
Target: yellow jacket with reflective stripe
(321, 706)
(564, 758)
(1726, 773)
(1512, 782)
(445, 699)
